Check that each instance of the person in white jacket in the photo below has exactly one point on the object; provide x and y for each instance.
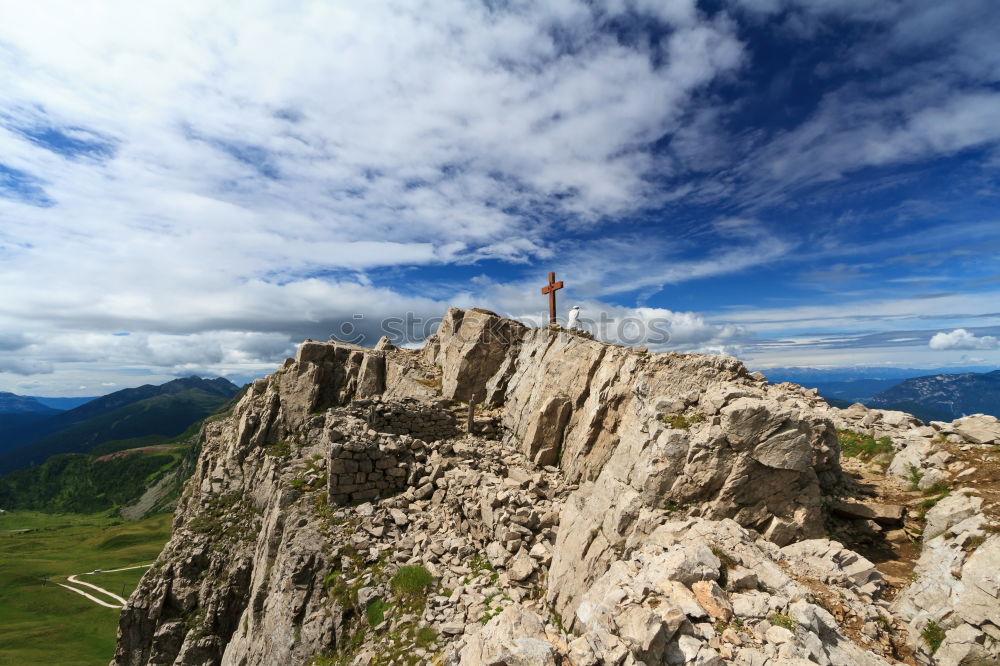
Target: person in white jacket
(574, 317)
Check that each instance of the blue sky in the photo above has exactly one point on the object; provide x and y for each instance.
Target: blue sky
(196, 187)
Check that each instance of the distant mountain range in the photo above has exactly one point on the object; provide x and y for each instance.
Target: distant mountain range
(11, 403)
(941, 395)
(129, 476)
(18, 411)
(806, 376)
(852, 390)
(130, 417)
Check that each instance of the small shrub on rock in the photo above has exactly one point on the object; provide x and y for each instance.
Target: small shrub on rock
(933, 635)
(683, 421)
(784, 621)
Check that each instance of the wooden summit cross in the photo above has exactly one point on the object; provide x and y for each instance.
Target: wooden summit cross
(550, 289)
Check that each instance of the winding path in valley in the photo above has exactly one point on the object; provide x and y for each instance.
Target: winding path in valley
(119, 601)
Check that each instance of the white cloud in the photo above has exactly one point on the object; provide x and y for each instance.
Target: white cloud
(241, 172)
(23, 366)
(962, 339)
(880, 314)
(236, 171)
(861, 331)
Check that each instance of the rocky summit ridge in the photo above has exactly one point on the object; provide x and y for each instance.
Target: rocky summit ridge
(609, 506)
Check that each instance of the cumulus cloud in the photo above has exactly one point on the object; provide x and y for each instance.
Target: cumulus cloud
(465, 113)
(210, 171)
(223, 181)
(962, 339)
(21, 366)
(10, 341)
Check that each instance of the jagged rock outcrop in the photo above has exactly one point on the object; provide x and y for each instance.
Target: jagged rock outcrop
(956, 590)
(612, 507)
(241, 580)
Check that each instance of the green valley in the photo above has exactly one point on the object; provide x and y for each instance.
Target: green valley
(42, 623)
(102, 505)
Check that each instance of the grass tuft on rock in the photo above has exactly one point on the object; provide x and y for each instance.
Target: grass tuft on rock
(914, 477)
(412, 581)
(864, 447)
(939, 488)
(282, 449)
(683, 421)
(375, 612)
(425, 636)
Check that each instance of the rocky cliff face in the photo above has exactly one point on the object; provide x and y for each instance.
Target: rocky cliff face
(610, 507)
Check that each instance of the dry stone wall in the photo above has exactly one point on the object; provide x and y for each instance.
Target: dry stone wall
(384, 449)
(366, 467)
(425, 420)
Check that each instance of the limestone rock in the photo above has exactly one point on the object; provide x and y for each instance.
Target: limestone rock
(473, 346)
(978, 428)
(883, 514)
(516, 637)
(956, 585)
(713, 599)
(950, 511)
(521, 567)
(544, 436)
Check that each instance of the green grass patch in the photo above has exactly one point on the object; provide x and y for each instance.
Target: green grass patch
(42, 623)
(914, 475)
(939, 488)
(864, 447)
(412, 581)
(282, 449)
(375, 612)
(683, 421)
(425, 636)
(928, 504)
